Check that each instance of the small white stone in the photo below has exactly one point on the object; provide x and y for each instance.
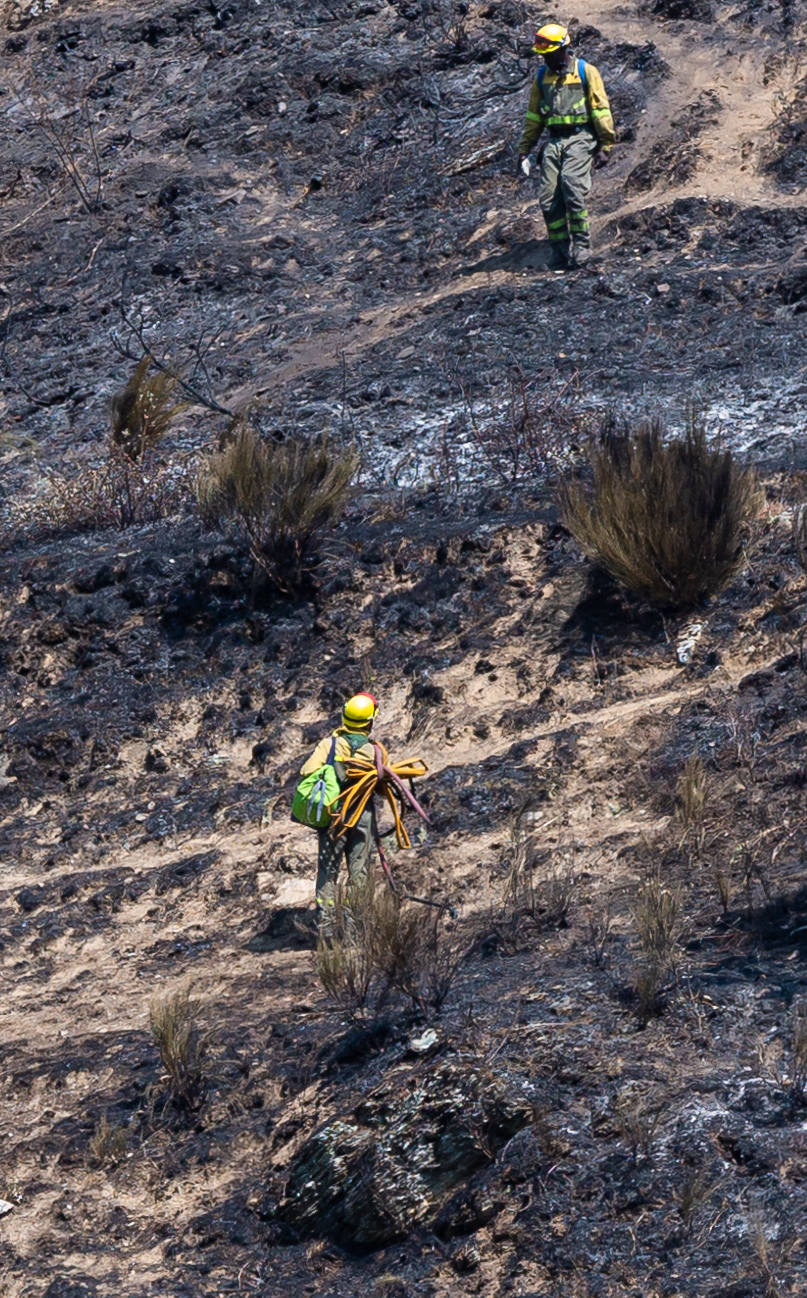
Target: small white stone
(420, 1045)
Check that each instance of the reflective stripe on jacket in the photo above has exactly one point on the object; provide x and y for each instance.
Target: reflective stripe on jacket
(560, 99)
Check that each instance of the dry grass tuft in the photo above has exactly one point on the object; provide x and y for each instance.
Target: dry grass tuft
(637, 1117)
(538, 890)
(182, 1046)
(382, 944)
(691, 795)
(284, 495)
(657, 919)
(143, 412)
(800, 534)
(107, 1144)
(344, 959)
(667, 518)
(798, 1070)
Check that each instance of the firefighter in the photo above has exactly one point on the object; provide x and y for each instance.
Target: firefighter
(569, 102)
(351, 737)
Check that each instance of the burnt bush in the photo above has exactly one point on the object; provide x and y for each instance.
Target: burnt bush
(131, 484)
(282, 495)
(790, 151)
(666, 517)
(118, 492)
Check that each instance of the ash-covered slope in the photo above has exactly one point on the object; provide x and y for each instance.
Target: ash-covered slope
(291, 189)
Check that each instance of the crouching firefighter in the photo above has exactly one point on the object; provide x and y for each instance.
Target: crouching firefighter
(324, 778)
(569, 102)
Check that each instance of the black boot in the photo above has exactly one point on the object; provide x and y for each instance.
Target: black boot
(580, 254)
(559, 255)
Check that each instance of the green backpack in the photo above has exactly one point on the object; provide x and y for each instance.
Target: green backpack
(314, 794)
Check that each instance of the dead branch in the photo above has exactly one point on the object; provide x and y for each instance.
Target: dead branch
(199, 350)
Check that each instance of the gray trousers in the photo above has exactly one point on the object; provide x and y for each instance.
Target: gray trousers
(564, 186)
(354, 846)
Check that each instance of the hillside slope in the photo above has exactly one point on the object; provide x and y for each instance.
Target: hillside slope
(275, 196)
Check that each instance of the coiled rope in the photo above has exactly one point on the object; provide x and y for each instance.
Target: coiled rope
(366, 778)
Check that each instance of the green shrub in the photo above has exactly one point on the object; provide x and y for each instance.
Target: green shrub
(283, 495)
(667, 518)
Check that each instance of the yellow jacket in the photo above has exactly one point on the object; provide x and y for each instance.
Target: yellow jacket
(596, 112)
(342, 752)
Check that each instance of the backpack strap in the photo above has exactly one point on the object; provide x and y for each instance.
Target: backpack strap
(332, 752)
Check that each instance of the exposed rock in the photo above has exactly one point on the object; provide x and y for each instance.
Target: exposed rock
(390, 1166)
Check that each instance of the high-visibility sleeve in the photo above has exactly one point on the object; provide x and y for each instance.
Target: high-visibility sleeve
(534, 123)
(318, 758)
(599, 109)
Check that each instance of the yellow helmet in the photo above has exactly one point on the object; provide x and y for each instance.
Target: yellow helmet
(549, 38)
(359, 711)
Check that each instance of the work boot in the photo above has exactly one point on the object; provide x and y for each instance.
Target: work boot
(581, 254)
(558, 256)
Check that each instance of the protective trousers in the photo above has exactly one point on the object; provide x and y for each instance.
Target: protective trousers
(564, 186)
(355, 845)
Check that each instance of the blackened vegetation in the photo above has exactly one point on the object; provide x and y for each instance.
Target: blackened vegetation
(675, 158)
(790, 159)
(547, 1080)
(607, 1095)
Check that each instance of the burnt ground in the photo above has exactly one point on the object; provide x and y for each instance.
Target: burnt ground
(284, 200)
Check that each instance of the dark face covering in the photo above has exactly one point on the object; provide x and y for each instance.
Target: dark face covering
(558, 60)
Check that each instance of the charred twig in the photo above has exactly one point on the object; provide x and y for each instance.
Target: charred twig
(79, 273)
(198, 353)
(61, 131)
(30, 216)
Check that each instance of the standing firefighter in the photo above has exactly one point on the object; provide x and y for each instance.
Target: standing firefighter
(336, 796)
(326, 776)
(569, 102)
